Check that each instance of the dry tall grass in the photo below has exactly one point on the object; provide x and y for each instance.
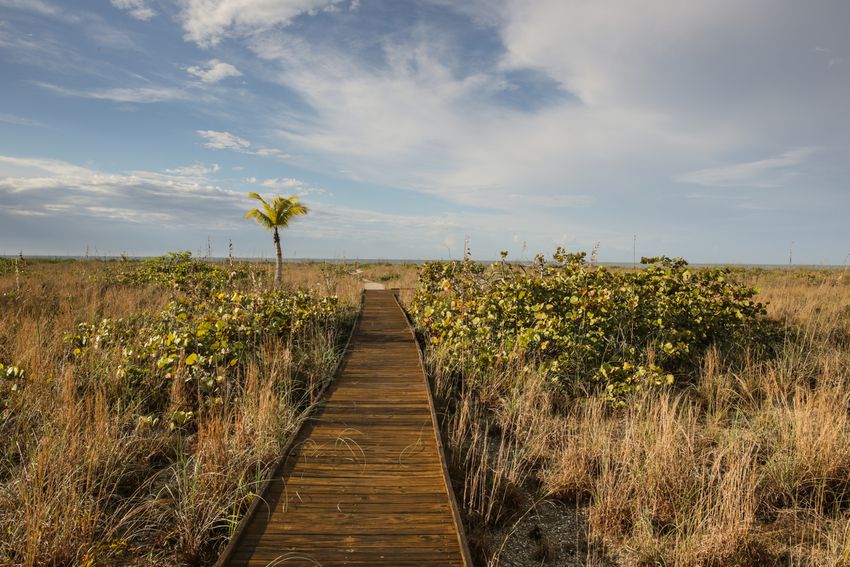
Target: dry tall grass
(86, 477)
(747, 465)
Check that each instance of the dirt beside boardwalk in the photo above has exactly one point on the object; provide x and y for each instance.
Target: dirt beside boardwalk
(552, 533)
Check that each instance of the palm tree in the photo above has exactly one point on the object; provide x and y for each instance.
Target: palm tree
(274, 216)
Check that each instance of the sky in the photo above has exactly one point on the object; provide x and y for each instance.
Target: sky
(715, 131)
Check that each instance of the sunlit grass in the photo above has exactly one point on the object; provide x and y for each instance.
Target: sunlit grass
(90, 474)
(745, 463)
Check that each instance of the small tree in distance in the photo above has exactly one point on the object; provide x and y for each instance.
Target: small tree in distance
(275, 216)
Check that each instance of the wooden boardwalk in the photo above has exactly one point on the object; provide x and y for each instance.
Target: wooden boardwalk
(365, 482)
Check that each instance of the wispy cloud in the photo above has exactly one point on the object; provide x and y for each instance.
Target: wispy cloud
(96, 27)
(139, 95)
(283, 183)
(520, 115)
(207, 24)
(214, 71)
(37, 6)
(197, 169)
(272, 152)
(227, 141)
(20, 120)
(769, 172)
(46, 187)
(138, 9)
(50, 53)
(289, 185)
(224, 141)
(423, 121)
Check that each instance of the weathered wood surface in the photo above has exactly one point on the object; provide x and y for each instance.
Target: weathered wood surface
(365, 482)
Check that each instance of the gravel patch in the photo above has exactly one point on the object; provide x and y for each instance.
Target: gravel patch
(551, 533)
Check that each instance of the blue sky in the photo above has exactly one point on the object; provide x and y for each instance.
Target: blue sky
(718, 131)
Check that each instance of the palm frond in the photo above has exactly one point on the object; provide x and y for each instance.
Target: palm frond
(258, 197)
(289, 208)
(261, 218)
(279, 212)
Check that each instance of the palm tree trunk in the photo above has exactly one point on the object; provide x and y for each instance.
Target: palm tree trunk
(278, 267)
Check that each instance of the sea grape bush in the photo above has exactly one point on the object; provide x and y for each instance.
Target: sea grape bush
(179, 270)
(12, 266)
(582, 323)
(203, 342)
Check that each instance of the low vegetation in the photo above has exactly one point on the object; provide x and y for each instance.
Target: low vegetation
(682, 417)
(669, 415)
(11, 266)
(582, 324)
(142, 403)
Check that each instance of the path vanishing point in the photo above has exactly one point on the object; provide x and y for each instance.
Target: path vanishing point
(365, 481)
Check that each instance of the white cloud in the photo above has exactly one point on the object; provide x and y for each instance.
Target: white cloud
(287, 185)
(37, 187)
(272, 152)
(590, 46)
(127, 215)
(47, 187)
(283, 183)
(206, 22)
(214, 71)
(27, 213)
(768, 172)
(420, 124)
(227, 141)
(662, 98)
(291, 185)
(441, 105)
(141, 95)
(196, 170)
(138, 9)
(34, 167)
(224, 141)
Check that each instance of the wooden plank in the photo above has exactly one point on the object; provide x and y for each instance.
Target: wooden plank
(364, 481)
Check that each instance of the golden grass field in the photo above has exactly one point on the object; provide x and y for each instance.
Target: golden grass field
(87, 477)
(747, 465)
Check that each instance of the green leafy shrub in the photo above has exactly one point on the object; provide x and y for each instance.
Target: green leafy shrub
(581, 323)
(12, 266)
(182, 272)
(202, 342)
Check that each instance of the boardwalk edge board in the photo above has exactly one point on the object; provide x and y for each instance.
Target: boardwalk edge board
(259, 496)
(461, 533)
